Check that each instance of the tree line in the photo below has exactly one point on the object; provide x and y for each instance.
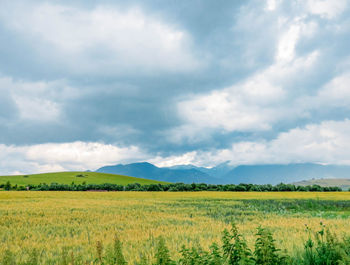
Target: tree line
(172, 187)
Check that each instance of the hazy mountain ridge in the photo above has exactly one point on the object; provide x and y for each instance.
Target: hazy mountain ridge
(225, 173)
(275, 173)
(342, 183)
(216, 172)
(149, 171)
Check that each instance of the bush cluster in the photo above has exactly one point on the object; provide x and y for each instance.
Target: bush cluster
(167, 187)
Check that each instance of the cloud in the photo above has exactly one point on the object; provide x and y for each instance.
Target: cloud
(177, 85)
(74, 156)
(326, 8)
(256, 104)
(105, 39)
(184, 159)
(34, 101)
(327, 142)
(280, 94)
(336, 93)
(228, 110)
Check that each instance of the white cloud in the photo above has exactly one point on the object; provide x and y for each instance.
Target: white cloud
(227, 110)
(291, 29)
(183, 159)
(336, 93)
(326, 8)
(37, 109)
(264, 98)
(256, 104)
(104, 39)
(271, 5)
(51, 157)
(286, 46)
(332, 96)
(327, 142)
(36, 101)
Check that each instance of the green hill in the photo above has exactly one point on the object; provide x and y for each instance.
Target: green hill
(76, 177)
(342, 183)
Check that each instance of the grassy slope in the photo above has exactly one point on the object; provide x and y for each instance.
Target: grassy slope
(69, 177)
(342, 183)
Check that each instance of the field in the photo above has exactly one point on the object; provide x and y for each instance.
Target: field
(55, 222)
(76, 177)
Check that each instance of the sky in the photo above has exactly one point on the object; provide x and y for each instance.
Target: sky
(85, 83)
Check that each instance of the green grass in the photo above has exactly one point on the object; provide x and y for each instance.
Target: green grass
(69, 177)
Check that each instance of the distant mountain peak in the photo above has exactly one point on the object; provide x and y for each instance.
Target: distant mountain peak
(226, 173)
(150, 171)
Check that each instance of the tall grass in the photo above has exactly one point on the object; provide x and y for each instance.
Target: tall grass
(68, 224)
(324, 248)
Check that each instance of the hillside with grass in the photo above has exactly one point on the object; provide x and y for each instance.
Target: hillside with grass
(76, 177)
(344, 184)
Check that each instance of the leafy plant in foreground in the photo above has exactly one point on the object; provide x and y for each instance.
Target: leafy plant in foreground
(325, 249)
(235, 248)
(266, 252)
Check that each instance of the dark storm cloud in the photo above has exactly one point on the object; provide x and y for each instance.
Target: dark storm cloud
(169, 77)
(152, 108)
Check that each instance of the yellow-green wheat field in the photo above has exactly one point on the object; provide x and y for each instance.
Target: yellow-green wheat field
(51, 221)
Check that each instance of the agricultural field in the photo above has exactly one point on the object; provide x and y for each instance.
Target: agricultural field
(76, 177)
(79, 226)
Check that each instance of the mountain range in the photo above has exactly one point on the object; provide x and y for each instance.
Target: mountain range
(147, 170)
(225, 173)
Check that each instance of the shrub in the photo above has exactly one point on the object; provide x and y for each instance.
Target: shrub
(325, 249)
(235, 247)
(7, 186)
(266, 252)
(21, 188)
(197, 256)
(215, 257)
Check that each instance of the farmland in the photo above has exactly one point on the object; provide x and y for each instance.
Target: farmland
(54, 222)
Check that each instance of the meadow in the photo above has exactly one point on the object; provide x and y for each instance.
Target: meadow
(61, 223)
(76, 177)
